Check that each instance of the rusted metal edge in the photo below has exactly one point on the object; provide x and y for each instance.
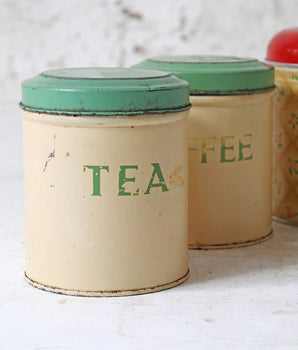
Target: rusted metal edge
(194, 92)
(231, 245)
(75, 113)
(107, 293)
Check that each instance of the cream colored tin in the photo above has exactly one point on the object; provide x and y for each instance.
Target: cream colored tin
(106, 192)
(229, 170)
(230, 150)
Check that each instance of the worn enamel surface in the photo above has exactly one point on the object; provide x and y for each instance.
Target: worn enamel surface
(216, 75)
(104, 91)
(285, 144)
(106, 203)
(230, 170)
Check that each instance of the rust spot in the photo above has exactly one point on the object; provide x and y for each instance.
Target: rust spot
(175, 179)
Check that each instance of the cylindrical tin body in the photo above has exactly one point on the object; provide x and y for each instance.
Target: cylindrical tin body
(230, 148)
(105, 202)
(285, 145)
(283, 54)
(229, 170)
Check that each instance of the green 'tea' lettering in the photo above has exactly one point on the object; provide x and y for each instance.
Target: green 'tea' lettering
(244, 146)
(157, 172)
(96, 177)
(123, 179)
(224, 148)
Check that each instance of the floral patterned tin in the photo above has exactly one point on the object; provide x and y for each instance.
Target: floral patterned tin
(282, 52)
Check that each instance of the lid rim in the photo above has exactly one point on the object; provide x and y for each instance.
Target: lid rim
(104, 113)
(283, 64)
(104, 91)
(88, 78)
(225, 59)
(221, 76)
(232, 92)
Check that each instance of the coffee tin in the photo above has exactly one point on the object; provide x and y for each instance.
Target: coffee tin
(229, 144)
(105, 154)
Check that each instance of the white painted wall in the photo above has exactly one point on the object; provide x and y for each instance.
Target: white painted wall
(38, 35)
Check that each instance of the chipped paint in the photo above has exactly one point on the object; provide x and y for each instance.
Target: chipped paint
(50, 156)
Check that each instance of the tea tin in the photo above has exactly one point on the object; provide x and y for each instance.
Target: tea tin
(105, 154)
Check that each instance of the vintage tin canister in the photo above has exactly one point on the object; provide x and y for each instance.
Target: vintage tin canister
(105, 153)
(282, 52)
(229, 143)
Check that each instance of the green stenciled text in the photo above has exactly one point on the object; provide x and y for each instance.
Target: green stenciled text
(127, 176)
(223, 149)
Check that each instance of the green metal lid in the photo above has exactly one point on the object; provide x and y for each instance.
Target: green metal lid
(104, 91)
(216, 75)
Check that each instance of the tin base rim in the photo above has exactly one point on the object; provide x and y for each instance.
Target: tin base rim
(106, 293)
(231, 245)
(285, 221)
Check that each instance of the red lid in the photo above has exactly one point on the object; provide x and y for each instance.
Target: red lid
(283, 47)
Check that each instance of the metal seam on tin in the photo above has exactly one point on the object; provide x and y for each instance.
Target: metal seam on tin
(126, 292)
(231, 245)
(105, 113)
(284, 221)
(100, 121)
(230, 92)
(281, 64)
